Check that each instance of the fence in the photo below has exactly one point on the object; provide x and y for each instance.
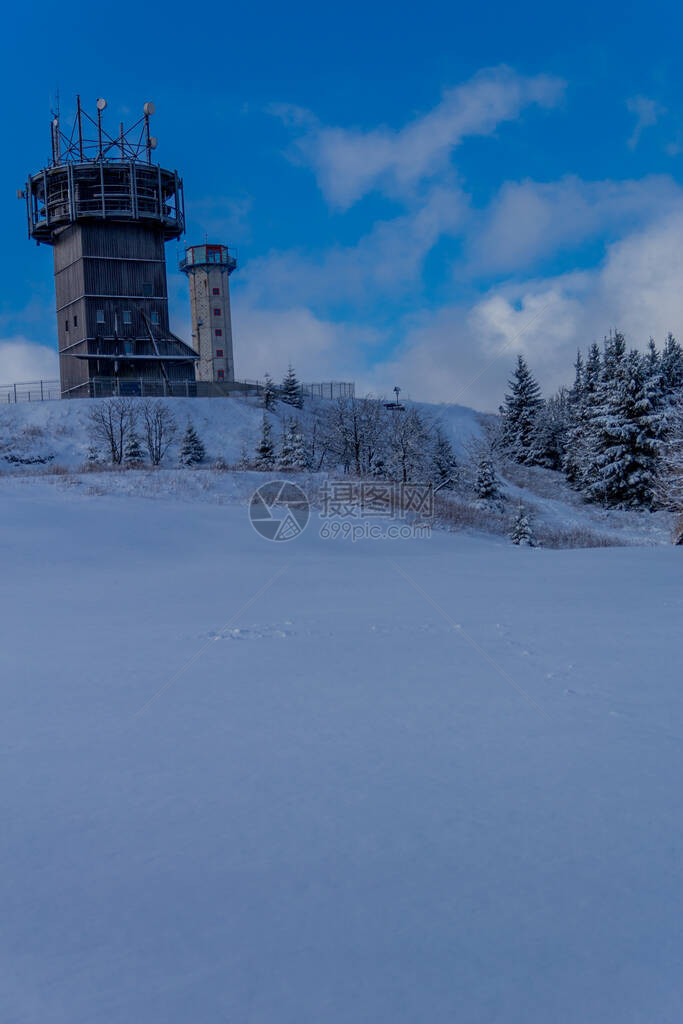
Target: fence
(106, 387)
(30, 391)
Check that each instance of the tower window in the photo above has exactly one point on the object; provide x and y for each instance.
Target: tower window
(219, 353)
(66, 326)
(75, 321)
(220, 375)
(216, 291)
(218, 332)
(99, 316)
(155, 317)
(127, 316)
(216, 311)
(147, 288)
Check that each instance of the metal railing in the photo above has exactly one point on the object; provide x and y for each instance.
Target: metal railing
(30, 391)
(106, 387)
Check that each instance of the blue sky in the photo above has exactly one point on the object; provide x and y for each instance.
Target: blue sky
(412, 189)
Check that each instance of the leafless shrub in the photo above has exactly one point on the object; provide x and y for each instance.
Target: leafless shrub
(575, 537)
(32, 431)
(458, 514)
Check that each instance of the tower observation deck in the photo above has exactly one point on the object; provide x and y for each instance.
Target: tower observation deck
(107, 210)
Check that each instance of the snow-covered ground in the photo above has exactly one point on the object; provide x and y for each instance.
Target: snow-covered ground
(40, 436)
(59, 431)
(393, 782)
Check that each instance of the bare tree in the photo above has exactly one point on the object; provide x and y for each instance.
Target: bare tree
(408, 444)
(160, 429)
(353, 433)
(112, 422)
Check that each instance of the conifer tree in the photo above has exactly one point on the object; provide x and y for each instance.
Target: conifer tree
(551, 427)
(625, 430)
(133, 454)
(521, 532)
(265, 450)
(286, 456)
(192, 450)
(519, 413)
(269, 396)
(671, 366)
(290, 391)
(487, 489)
(301, 459)
(244, 458)
(577, 448)
(652, 359)
(571, 462)
(444, 466)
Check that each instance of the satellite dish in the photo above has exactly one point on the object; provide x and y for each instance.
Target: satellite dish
(56, 122)
(153, 142)
(148, 109)
(21, 194)
(101, 104)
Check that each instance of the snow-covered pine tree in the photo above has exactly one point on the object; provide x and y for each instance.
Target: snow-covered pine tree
(671, 366)
(519, 413)
(265, 450)
(290, 391)
(652, 358)
(669, 488)
(192, 450)
(549, 438)
(286, 455)
(577, 443)
(625, 430)
(301, 458)
(244, 462)
(575, 406)
(443, 463)
(133, 454)
(487, 491)
(269, 395)
(522, 532)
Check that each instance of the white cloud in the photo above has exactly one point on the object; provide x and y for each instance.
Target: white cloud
(385, 260)
(636, 288)
(529, 220)
(266, 341)
(225, 218)
(23, 360)
(647, 112)
(349, 163)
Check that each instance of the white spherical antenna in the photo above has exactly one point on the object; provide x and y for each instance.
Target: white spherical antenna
(148, 109)
(101, 104)
(153, 142)
(56, 122)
